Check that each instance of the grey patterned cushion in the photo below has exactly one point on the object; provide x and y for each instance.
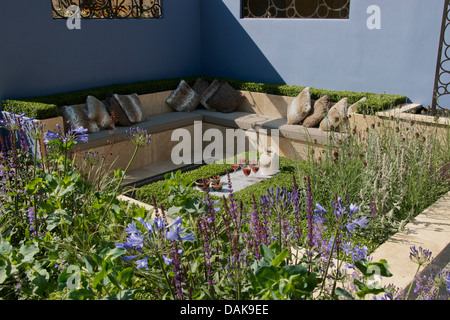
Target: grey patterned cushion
(225, 99)
(183, 98)
(200, 85)
(97, 112)
(208, 93)
(118, 115)
(77, 116)
(132, 107)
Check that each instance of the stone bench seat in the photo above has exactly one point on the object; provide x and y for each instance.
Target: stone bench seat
(258, 111)
(154, 124)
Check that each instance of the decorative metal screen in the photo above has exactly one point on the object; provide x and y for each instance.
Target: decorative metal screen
(300, 9)
(442, 81)
(108, 9)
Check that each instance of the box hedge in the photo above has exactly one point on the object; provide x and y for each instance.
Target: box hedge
(34, 110)
(282, 179)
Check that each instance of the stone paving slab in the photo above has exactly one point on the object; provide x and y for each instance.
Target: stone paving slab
(430, 230)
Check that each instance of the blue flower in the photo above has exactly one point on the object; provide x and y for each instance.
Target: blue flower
(354, 209)
(174, 234)
(338, 207)
(177, 221)
(139, 137)
(132, 228)
(160, 223)
(50, 136)
(358, 222)
(73, 135)
(143, 263)
(147, 225)
(135, 240)
(189, 237)
(79, 134)
(128, 258)
(167, 260)
(125, 245)
(421, 256)
(320, 209)
(448, 282)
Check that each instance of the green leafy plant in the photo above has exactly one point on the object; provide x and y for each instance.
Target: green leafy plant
(272, 278)
(101, 277)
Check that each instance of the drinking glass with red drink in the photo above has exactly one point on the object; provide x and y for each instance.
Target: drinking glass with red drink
(241, 162)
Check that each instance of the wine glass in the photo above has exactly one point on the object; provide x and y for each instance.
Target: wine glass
(235, 167)
(247, 171)
(241, 162)
(255, 168)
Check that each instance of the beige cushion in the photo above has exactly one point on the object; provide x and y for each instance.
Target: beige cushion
(318, 112)
(97, 112)
(225, 99)
(299, 108)
(335, 115)
(183, 98)
(354, 107)
(77, 116)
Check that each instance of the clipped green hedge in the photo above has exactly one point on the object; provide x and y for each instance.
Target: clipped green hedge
(375, 102)
(34, 110)
(142, 87)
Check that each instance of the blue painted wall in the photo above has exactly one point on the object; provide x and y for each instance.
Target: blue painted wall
(40, 56)
(399, 58)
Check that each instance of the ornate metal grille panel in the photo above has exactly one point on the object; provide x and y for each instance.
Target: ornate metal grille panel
(300, 9)
(442, 81)
(108, 9)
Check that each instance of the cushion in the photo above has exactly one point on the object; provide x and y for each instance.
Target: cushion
(77, 116)
(318, 112)
(354, 107)
(116, 112)
(132, 107)
(225, 99)
(96, 111)
(200, 85)
(335, 115)
(300, 107)
(208, 93)
(183, 98)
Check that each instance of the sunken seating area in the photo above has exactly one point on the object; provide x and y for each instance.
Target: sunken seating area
(163, 112)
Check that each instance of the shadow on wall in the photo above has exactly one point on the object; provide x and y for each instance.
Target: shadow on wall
(240, 58)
